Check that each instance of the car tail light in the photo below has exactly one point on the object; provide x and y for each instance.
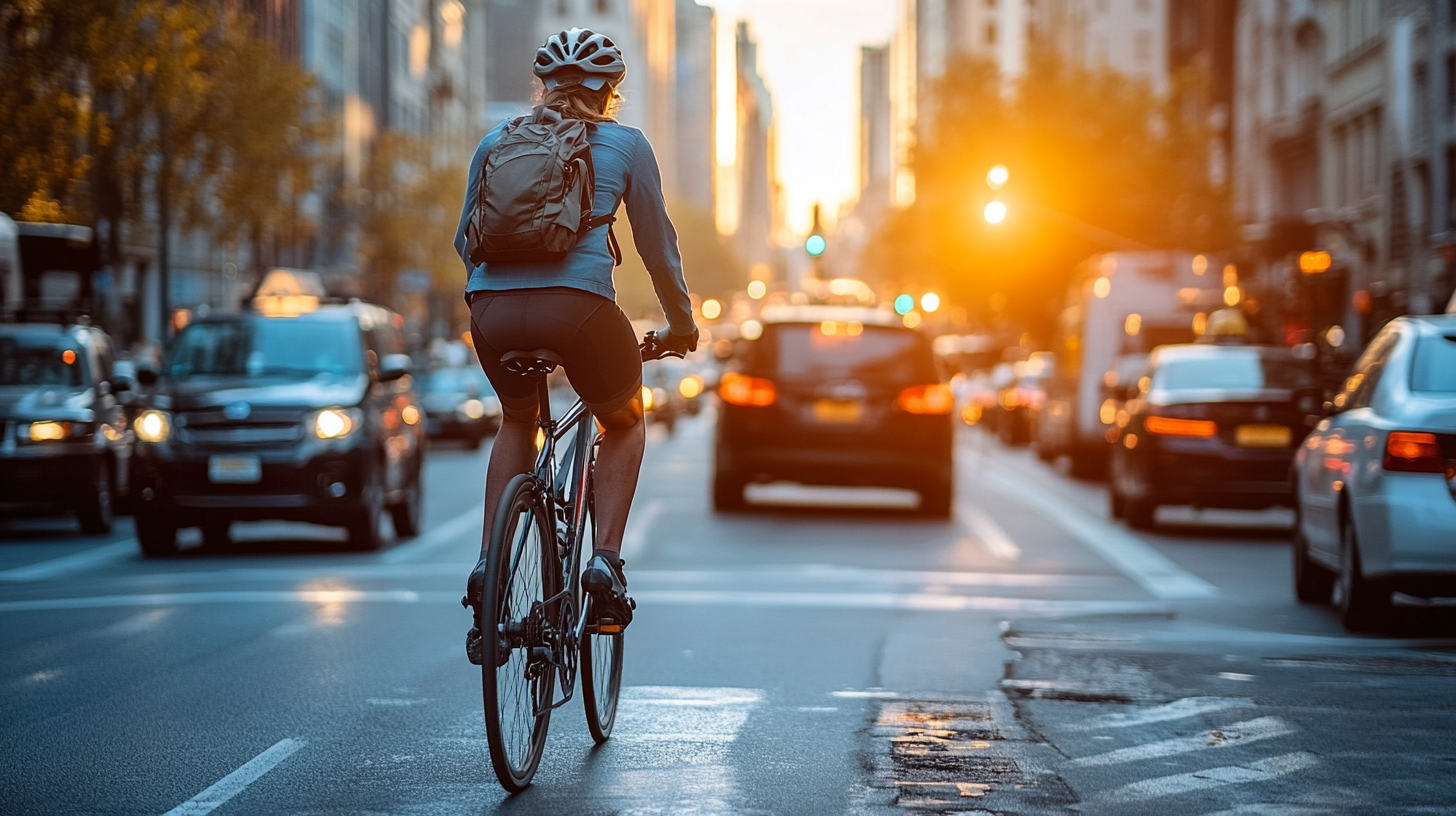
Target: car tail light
(752, 392)
(1168, 426)
(935, 398)
(1413, 452)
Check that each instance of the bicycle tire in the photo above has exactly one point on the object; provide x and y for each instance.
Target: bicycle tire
(601, 665)
(519, 573)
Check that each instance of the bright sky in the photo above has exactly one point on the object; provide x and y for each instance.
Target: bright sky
(809, 57)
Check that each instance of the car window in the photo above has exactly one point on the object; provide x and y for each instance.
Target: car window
(1434, 366)
(270, 346)
(25, 362)
(1233, 370)
(834, 351)
(1359, 387)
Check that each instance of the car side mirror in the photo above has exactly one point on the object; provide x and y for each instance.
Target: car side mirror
(393, 366)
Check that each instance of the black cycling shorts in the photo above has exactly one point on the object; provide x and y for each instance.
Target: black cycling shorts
(589, 331)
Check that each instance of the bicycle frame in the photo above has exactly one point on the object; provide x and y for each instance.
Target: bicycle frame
(565, 487)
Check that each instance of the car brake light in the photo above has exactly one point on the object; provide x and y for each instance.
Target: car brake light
(753, 392)
(1168, 426)
(935, 398)
(1413, 452)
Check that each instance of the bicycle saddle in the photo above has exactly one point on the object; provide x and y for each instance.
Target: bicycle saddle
(538, 362)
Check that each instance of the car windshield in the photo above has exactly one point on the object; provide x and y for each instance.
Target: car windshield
(1240, 370)
(832, 351)
(39, 363)
(1434, 368)
(288, 347)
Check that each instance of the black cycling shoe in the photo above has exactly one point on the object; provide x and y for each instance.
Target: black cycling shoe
(607, 585)
(474, 597)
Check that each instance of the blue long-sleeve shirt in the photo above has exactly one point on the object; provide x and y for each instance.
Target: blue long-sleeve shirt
(626, 170)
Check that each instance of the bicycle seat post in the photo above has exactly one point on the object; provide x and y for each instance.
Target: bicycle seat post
(538, 364)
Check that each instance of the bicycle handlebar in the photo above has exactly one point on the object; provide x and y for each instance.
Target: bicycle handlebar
(653, 348)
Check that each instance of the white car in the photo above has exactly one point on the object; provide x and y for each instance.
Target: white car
(1375, 481)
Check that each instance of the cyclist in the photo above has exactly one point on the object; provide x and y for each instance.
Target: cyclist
(568, 306)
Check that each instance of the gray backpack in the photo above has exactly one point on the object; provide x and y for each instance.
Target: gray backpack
(536, 190)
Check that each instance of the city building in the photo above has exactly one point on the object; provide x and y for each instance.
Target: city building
(1126, 36)
(691, 182)
(876, 147)
(1342, 143)
(759, 207)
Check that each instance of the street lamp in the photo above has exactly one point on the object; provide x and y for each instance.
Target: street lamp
(929, 302)
(997, 177)
(995, 212)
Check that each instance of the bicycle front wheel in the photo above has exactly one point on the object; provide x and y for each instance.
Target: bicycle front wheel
(516, 679)
(601, 663)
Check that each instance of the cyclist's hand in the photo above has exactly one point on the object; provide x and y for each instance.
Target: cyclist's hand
(681, 343)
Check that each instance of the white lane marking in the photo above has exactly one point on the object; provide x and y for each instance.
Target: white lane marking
(1261, 771)
(928, 602)
(990, 534)
(436, 537)
(639, 526)
(1176, 710)
(1246, 678)
(683, 714)
(136, 624)
(1273, 809)
(758, 576)
(1131, 555)
(868, 694)
(922, 602)
(227, 597)
(235, 782)
(1239, 733)
(75, 562)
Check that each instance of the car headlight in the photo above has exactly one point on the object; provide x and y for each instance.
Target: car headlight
(334, 423)
(48, 430)
(472, 409)
(153, 426)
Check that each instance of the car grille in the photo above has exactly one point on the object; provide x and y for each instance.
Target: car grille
(262, 427)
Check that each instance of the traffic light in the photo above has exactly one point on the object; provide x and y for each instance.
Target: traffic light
(904, 303)
(996, 178)
(815, 244)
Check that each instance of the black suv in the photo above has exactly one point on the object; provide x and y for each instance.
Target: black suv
(64, 441)
(833, 395)
(302, 415)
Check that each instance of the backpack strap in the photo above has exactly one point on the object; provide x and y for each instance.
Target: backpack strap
(609, 219)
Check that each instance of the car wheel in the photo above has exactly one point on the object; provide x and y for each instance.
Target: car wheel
(216, 534)
(1116, 502)
(94, 510)
(1362, 604)
(406, 514)
(936, 499)
(364, 527)
(156, 535)
(1140, 513)
(1313, 584)
(728, 491)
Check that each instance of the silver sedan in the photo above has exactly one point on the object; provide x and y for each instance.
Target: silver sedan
(1376, 480)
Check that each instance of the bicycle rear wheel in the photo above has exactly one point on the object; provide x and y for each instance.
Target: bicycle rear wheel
(601, 663)
(517, 684)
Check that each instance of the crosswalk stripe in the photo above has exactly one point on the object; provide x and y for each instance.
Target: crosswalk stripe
(990, 534)
(1176, 710)
(1240, 733)
(1261, 771)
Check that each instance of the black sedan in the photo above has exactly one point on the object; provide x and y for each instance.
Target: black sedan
(1210, 426)
(834, 396)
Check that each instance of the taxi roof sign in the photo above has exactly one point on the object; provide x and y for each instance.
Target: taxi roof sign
(288, 293)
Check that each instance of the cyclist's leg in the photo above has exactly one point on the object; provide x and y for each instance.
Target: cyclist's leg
(605, 367)
(514, 448)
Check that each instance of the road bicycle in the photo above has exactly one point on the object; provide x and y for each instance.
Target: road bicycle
(543, 632)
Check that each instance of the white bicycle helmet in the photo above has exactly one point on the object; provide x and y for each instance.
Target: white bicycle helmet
(580, 55)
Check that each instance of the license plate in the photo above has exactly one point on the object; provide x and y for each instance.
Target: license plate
(838, 411)
(235, 469)
(1262, 436)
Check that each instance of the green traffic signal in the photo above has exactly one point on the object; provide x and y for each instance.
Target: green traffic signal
(815, 245)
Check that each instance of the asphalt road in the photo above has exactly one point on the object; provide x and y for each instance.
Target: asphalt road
(824, 653)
